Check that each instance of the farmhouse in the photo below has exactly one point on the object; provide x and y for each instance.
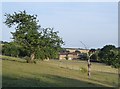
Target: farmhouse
(68, 55)
(71, 53)
(63, 56)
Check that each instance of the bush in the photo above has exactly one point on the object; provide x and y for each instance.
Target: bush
(83, 70)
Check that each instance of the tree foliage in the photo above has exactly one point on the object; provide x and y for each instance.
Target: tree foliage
(10, 49)
(40, 42)
(116, 61)
(14, 50)
(109, 55)
(94, 57)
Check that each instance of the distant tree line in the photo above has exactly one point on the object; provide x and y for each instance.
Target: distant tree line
(109, 54)
(3, 42)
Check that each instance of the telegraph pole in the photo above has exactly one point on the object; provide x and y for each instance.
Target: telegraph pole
(88, 61)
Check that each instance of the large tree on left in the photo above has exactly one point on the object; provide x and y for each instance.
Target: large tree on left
(40, 43)
(26, 34)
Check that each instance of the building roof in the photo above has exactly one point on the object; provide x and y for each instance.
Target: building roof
(63, 53)
(73, 53)
(67, 53)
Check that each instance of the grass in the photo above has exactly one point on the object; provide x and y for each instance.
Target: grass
(12, 58)
(56, 73)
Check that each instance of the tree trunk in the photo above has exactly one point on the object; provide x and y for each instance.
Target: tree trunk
(89, 68)
(32, 57)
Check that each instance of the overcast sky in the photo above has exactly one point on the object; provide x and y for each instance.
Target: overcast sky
(93, 23)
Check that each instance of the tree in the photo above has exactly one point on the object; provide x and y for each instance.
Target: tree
(36, 40)
(108, 54)
(50, 45)
(92, 50)
(10, 49)
(93, 57)
(116, 64)
(116, 61)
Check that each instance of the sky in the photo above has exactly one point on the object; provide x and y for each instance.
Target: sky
(93, 23)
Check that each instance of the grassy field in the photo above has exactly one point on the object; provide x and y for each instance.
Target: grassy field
(54, 73)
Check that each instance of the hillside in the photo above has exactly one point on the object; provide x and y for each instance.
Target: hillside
(56, 73)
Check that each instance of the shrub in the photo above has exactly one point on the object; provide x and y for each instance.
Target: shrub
(83, 70)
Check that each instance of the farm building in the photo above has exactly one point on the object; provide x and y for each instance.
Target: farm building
(62, 56)
(68, 56)
(71, 53)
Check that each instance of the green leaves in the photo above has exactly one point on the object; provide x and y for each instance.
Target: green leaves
(109, 54)
(10, 49)
(44, 42)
